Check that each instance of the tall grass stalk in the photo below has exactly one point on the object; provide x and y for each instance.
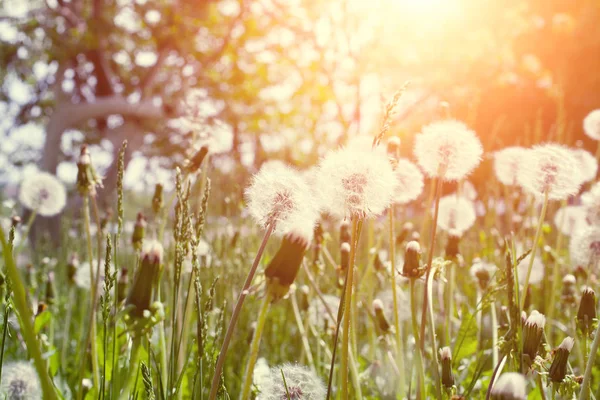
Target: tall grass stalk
(397, 327)
(26, 318)
(556, 272)
(255, 345)
(236, 313)
(438, 191)
(434, 347)
(536, 239)
(348, 310)
(418, 353)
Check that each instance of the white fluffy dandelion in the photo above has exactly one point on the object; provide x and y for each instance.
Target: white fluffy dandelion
(508, 162)
(585, 247)
(43, 193)
(409, 181)
(588, 165)
(570, 219)
(456, 213)
(591, 201)
(591, 124)
(387, 300)
(448, 150)
(20, 381)
(550, 168)
(279, 194)
(319, 315)
(510, 385)
(356, 182)
(82, 277)
(537, 270)
(301, 383)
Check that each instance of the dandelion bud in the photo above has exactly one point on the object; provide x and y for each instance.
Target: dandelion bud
(345, 256)
(569, 289)
(41, 307)
(587, 310)
(482, 273)
(15, 221)
(195, 162)
(382, 321)
(407, 228)
(283, 268)
(378, 264)
(446, 361)
(509, 386)
(139, 231)
(300, 383)
(415, 236)
(20, 381)
(50, 290)
(304, 297)
(393, 147)
(157, 199)
(533, 331)
(122, 285)
(87, 179)
(72, 267)
(146, 277)
(558, 369)
(345, 234)
(452, 250)
(412, 260)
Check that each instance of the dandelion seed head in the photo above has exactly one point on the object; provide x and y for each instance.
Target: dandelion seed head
(279, 194)
(456, 214)
(591, 124)
(82, 277)
(550, 168)
(20, 381)
(386, 298)
(591, 201)
(302, 384)
(152, 251)
(449, 147)
(482, 271)
(588, 165)
(509, 386)
(585, 247)
(409, 181)
(508, 162)
(44, 193)
(537, 270)
(570, 219)
(356, 182)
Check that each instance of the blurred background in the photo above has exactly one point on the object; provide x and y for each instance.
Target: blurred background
(280, 79)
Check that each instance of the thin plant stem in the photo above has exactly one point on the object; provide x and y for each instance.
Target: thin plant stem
(255, 345)
(90, 336)
(67, 327)
(398, 332)
(538, 233)
(4, 332)
(556, 272)
(26, 232)
(236, 312)
(494, 333)
(163, 344)
(418, 353)
(348, 312)
(541, 386)
(434, 347)
(450, 301)
(26, 318)
(302, 332)
(430, 258)
(115, 377)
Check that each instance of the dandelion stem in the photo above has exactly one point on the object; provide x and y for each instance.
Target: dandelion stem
(255, 345)
(4, 331)
(541, 386)
(450, 301)
(538, 233)
(438, 191)
(133, 369)
(236, 312)
(436, 368)
(302, 332)
(494, 333)
(556, 272)
(418, 354)
(348, 311)
(67, 327)
(91, 331)
(26, 319)
(399, 350)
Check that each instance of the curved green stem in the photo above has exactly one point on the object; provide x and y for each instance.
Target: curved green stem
(26, 319)
(536, 239)
(255, 345)
(587, 377)
(236, 312)
(418, 353)
(398, 332)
